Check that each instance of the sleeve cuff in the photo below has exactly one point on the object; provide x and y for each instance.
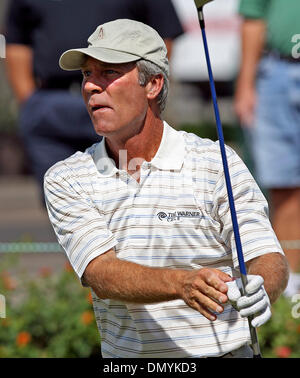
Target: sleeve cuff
(79, 271)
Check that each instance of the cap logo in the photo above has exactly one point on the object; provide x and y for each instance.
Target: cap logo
(100, 35)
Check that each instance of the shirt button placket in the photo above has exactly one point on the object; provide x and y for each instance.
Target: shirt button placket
(134, 188)
(143, 173)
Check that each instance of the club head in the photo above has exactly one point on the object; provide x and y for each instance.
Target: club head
(200, 3)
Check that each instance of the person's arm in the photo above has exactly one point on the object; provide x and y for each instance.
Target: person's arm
(82, 231)
(19, 68)
(261, 249)
(122, 280)
(266, 279)
(273, 268)
(252, 43)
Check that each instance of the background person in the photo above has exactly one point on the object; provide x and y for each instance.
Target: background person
(151, 233)
(267, 102)
(53, 120)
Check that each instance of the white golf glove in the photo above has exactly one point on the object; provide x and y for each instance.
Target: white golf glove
(255, 303)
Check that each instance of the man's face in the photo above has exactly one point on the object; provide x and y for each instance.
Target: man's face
(116, 102)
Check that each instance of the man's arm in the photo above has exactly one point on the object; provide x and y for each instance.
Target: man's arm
(273, 268)
(252, 40)
(19, 68)
(113, 278)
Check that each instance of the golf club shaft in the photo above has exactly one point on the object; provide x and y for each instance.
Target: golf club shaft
(240, 255)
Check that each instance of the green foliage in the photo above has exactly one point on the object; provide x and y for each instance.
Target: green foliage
(280, 336)
(49, 316)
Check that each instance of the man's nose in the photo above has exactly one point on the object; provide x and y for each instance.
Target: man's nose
(93, 86)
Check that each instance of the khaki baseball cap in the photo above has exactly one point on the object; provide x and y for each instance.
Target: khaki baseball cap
(119, 41)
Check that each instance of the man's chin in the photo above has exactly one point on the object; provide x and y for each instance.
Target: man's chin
(104, 130)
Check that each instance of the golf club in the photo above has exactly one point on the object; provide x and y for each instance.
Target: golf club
(242, 266)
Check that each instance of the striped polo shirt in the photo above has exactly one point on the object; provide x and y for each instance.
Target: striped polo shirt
(177, 216)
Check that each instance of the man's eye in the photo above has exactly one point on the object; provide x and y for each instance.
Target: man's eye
(110, 72)
(86, 73)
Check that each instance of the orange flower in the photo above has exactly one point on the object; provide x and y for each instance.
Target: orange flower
(89, 298)
(45, 271)
(283, 352)
(23, 339)
(87, 317)
(9, 282)
(68, 267)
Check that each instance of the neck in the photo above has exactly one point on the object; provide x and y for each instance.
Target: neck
(130, 152)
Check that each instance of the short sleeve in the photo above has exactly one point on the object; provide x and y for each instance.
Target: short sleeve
(161, 17)
(256, 233)
(19, 22)
(80, 228)
(253, 8)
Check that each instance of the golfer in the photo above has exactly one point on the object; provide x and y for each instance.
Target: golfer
(144, 217)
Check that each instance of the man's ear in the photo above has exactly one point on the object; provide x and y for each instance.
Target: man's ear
(154, 86)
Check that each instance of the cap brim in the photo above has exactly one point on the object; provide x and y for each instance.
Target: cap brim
(73, 59)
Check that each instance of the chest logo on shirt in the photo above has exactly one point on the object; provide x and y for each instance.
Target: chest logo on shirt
(177, 215)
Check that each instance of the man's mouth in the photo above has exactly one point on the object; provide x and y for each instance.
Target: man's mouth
(99, 107)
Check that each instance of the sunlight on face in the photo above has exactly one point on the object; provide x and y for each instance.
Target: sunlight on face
(113, 96)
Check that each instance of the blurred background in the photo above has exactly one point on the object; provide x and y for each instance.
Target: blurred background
(48, 313)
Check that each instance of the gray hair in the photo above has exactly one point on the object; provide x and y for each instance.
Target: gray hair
(147, 70)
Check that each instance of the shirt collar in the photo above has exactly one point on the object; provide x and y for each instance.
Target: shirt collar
(171, 151)
(170, 154)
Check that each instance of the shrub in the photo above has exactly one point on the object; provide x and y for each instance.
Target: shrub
(280, 336)
(49, 316)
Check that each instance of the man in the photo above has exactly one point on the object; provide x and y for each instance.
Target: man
(143, 215)
(37, 32)
(267, 104)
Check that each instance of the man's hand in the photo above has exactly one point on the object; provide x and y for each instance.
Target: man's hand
(252, 43)
(205, 290)
(244, 104)
(255, 303)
